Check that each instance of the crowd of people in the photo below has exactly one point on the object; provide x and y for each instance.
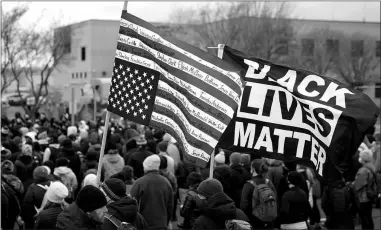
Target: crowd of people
(49, 181)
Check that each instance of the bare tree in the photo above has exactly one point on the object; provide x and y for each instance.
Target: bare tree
(357, 62)
(258, 28)
(9, 37)
(38, 55)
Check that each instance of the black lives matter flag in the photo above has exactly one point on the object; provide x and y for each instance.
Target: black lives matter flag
(172, 86)
(293, 114)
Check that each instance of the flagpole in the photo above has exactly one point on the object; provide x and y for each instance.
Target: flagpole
(220, 54)
(105, 131)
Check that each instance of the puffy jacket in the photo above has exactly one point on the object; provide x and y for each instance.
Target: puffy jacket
(189, 210)
(125, 210)
(112, 164)
(217, 210)
(74, 161)
(47, 218)
(74, 218)
(295, 206)
(136, 159)
(363, 178)
(275, 173)
(238, 180)
(67, 177)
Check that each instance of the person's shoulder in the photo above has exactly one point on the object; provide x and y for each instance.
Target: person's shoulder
(241, 215)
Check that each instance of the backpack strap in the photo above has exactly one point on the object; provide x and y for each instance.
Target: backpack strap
(112, 219)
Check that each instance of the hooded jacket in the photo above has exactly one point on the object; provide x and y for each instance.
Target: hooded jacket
(74, 218)
(363, 177)
(125, 210)
(275, 172)
(67, 177)
(216, 211)
(70, 152)
(238, 180)
(112, 164)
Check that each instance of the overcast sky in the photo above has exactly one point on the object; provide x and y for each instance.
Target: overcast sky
(70, 12)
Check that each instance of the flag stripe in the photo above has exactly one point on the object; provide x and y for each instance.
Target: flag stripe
(195, 101)
(190, 143)
(151, 33)
(196, 142)
(130, 37)
(198, 116)
(212, 101)
(203, 137)
(185, 76)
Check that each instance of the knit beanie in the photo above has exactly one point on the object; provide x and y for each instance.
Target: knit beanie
(151, 163)
(61, 139)
(67, 143)
(72, 130)
(209, 187)
(93, 138)
(40, 173)
(5, 154)
(57, 192)
(222, 173)
(220, 158)
(114, 188)
(24, 130)
(62, 161)
(295, 178)
(90, 198)
(31, 135)
(90, 179)
(235, 158)
(7, 167)
(27, 150)
(245, 159)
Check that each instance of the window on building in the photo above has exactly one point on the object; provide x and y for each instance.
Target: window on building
(72, 76)
(308, 47)
(377, 90)
(378, 49)
(357, 48)
(83, 53)
(85, 74)
(104, 73)
(332, 45)
(80, 75)
(76, 75)
(282, 47)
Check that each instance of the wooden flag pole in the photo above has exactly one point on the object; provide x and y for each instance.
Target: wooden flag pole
(219, 54)
(105, 131)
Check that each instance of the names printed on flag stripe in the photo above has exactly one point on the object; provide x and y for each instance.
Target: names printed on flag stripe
(157, 38)
(194, 111)
(195, 132)
(191, 70)
(195, 152)
(190, 88)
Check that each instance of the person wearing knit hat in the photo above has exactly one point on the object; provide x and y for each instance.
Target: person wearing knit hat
(85, 212)
(245, 160)
(156, 209)
(113, 189)
(24, 131)
(126, 175)
(172, 149)
(90, 179)
(8, 172)
(41, 173)
(5, 154)
(27, 150)
(61, 139)
(219, 159)
(72, 130)
(209, 187)
(31, 135)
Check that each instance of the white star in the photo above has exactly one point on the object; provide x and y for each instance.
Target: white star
(116, 70)
(143, 100)
(147, 81)
(118, 76)
(132, 107)
(133, 82)
(114, 80)
(128, 69)
(112, 89)
(134, 98)
(131, 91)
(135, 114)
(139, 78)
(144, 116)
(131, 75)
(150, 87)
(118, 102)
(125, 104)
(120, 67)
(136, 71)
(111, 99)
(128, 85)
(136, 88)
(140, 94)
(122, 80)
(145, 106)
(117, 86)
(124, 88)
(140, 110)
(129, 101)
(120, 92)
(121, 83)
(127, 111)
(137, 104)
(145, 74)
(120, 108)
(123, 73)
(142, 84)
(115, 96)
(148, 97)
(113, 105)
(122, 98)
(152, 77)
(145, 90)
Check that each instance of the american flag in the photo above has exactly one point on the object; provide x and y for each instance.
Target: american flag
(169, 85)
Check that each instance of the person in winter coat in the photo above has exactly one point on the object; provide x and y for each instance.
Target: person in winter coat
(223, 174)
(25, 165)
(90, 179)
(51, 152)
(275, 172)
(85, 213)
(137, 158)
(337, 201)
(238, 179)
(120, 207)
(55, 195)
(295, 207)
(10, 205)
(189, 209)
(8, 173)
(172, 149)
(215, 207)
(258, 172)
(163, 146)
(66, 176)
(154, 195)
(163, 169)
(126, 175)
(245, 161)
(364, 177)
(69, 152)
(112, 163)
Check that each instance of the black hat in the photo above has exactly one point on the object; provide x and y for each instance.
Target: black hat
(62, 161)
(194, 178)
(295, 178)
(90, 198)
(114, 188)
